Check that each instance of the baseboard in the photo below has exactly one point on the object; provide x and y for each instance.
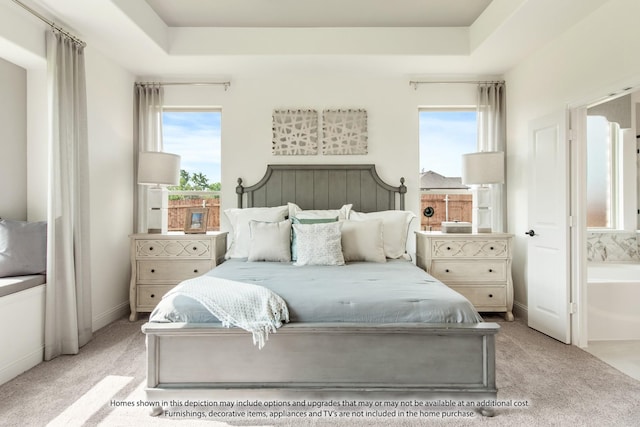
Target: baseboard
(110, 316)
(521, 310)
(15, 368)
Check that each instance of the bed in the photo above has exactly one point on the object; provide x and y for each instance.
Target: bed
(362, 345)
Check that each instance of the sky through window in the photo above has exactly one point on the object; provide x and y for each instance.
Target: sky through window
(195, 136)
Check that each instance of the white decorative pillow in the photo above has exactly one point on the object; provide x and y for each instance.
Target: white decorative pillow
(296, 211)
(238, 220)
(270, 241)
(362, 241)
(23, 248)
(294, 240)
(319, 244)
(395, 229)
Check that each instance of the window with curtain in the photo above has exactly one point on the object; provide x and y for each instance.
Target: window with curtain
(444, 136)
(195, 135)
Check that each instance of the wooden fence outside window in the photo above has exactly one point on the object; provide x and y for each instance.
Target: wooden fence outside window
(458, 207)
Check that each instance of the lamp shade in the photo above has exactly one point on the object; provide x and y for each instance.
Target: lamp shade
(156, 168)
(486, 167)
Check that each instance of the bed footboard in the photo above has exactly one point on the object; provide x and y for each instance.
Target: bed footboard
(322, 360)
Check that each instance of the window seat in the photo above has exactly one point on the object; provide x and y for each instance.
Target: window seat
(21, 298)
(11, 285)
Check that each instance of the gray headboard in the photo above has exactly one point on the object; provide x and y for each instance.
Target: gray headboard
(322, 187)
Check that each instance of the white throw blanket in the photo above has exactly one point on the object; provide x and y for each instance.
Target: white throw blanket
(251, 307)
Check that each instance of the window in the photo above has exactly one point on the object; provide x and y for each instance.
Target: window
(195, 136)
(603, 139)
(445, 135)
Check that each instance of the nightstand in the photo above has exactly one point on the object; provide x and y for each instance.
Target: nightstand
(161, 261)
(476, 265)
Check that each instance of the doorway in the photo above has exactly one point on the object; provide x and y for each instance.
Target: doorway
(605, 226)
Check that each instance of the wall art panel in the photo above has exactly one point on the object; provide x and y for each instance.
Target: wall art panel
(344, 132)
(295, 132)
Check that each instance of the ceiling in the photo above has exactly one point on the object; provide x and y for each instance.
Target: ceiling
(195, 39)
(324, 13)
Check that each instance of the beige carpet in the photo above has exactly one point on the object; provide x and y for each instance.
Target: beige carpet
(563, 385)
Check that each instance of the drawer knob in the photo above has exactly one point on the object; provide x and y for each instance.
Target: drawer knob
(194, 248)
(491, 248)
(447, 270)
(153, 270)
(150, 248)
(448, 248)
(153, 295)
(490, 295)
(490, 270)
(195, 271)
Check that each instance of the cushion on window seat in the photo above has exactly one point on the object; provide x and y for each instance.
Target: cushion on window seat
(11, 285)
(23, 248)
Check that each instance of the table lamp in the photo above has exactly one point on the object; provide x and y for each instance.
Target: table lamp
(479, 170)
(158, 170)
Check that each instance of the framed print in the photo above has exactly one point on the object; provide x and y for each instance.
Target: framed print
(196, 220)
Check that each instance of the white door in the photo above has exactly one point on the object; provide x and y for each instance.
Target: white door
(548, 246)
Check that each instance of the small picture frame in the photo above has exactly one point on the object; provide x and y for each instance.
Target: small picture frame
(196, 220)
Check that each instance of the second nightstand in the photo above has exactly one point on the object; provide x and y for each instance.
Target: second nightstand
(476, 265)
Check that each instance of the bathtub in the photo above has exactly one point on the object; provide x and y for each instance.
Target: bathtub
(613, 301)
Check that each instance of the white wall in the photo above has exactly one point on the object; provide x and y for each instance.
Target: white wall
(22, 43)
(110, 131)
(13, 141)
(590, 60)
(37, 144)
(392, 112)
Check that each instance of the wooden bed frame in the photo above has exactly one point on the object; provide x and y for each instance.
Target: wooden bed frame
(320, 360)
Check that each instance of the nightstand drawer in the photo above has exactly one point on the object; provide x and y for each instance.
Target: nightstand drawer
(173, 248)
(484, 296)
(171, 271)
(469, 248)
(469, 271)
(149, 295)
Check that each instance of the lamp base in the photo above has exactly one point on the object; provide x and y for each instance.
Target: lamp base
(481, 213)
(157, 216)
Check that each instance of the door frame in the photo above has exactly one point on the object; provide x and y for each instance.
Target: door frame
(578, 177)
(578, 222)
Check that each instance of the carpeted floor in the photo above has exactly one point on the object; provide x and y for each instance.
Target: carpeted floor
(562, 386)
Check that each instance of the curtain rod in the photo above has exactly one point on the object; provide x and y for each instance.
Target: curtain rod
(50, 23)
(415, 84)
(225, 84)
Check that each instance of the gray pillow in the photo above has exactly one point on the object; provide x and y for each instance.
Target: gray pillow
(270, 241)
(23, 247)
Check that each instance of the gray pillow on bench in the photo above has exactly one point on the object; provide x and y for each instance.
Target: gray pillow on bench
(23, 247)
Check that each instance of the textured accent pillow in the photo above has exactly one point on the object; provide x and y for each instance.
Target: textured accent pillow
(294, 240)
(23, 248)
(319, 244)
(296, 211)
(362, 241)
(270, 241)
(238, 220)
(395, 229)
